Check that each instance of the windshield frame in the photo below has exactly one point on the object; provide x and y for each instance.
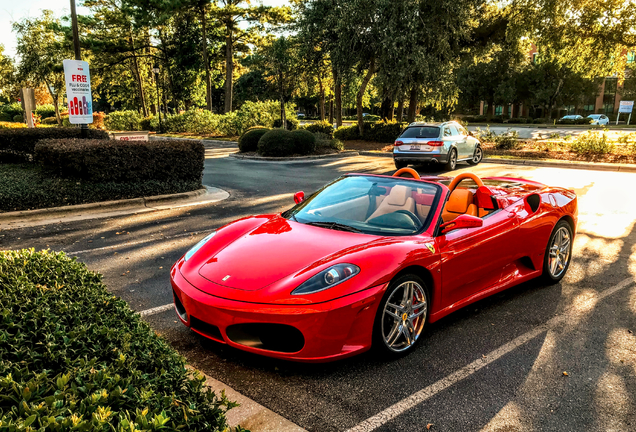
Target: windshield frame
(290, 213)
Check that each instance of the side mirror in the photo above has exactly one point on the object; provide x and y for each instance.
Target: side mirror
(299, 197)
(461, 221)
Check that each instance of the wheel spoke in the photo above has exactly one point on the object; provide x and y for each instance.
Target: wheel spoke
(394, 333)
(416, 314)
(407, 335)
(396, 307)
(553, 265)
(394, 315)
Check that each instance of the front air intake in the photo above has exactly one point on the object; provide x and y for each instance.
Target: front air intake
(271, 337)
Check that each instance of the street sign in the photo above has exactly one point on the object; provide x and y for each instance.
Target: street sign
(78, 91)
(626, 107)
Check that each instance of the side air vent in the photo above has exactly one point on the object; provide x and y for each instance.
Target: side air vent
(533, 201)
(179, 307)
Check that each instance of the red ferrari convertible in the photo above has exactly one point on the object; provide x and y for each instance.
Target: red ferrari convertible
(368, 260)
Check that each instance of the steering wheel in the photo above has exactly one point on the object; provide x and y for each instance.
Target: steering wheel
(410, 171)
(415, 219)
(463, 176)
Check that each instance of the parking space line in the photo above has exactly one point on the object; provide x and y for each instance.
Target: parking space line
(133, 243)
(402, 406)
(156, 310)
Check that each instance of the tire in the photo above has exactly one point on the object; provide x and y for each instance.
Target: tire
(400, 164)
(389, 330)
(452, 160)
(556, 263)
(477, 156)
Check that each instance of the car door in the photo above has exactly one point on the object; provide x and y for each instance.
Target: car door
(473, 259)
(449, 139)
(468, 142)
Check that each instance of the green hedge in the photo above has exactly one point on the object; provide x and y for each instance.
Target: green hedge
(45, 111)
(581, 121)
(123, 161)
(276, 143)
(123, 121)
(320, 127)
(379, 132)
(75, 357)
(24, 140)
(248, 142)
(304, 142)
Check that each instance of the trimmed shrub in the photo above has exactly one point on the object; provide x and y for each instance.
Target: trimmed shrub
(5, 117)
(345, 133)
(24, 140)
(323, 127)
(123, 121)
(248, 142)
(76, 357)
(292, 123)
(592, 143)
(540, 120)
(521, 120)
(18, 118)
(49, 121)
(12, 125)
(496, 119)
(324, 141)
(581, 121)
(379, 132)
(277, 143)
(122, 161)
(304, 142)
(12, 110)
(45, 111)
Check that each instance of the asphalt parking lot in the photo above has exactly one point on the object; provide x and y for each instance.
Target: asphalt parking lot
(497, 365)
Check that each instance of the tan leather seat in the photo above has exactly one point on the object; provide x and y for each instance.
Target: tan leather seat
(398, 199)
(460, 202)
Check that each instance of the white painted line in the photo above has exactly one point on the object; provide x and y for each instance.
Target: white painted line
(156, 310)
(135, 242)
(402, 406)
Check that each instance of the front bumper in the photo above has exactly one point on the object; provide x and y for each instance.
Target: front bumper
(332, 330)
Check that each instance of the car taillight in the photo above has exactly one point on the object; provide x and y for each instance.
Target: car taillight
(398, 143)
(435, 143)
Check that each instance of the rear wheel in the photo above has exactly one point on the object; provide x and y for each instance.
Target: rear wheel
(400, 164)
(477, 156)
(558, 253)
(402, 315)
(452, 160)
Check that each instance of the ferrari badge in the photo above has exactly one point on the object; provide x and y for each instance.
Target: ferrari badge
(431, 247)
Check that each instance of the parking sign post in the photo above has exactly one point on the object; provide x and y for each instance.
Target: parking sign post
(625, 107)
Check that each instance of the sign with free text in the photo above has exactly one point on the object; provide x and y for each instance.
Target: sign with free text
(626, 107)
(78, 91)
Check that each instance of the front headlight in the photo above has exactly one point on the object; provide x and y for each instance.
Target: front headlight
(327, 278)
(198, 246)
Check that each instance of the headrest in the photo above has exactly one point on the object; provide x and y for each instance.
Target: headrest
(459, 201)
(398, 195)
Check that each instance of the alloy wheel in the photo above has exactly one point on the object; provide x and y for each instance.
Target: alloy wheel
(478, 155)
(559, 254)
(404, 316)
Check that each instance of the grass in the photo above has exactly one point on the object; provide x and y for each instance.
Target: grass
(28, 186)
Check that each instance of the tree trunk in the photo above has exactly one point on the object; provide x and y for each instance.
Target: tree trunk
(137, 74)
(283, 116)
(56, 103)
(363, 88)
(229, 68)
(338, 96)
(322, 99)
(400, 108)
(206, 61)
(331, 110)
(412, 104)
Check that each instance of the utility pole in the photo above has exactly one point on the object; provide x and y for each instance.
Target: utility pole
(78, 54)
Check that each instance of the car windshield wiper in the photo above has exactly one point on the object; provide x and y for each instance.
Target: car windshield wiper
(335, 226)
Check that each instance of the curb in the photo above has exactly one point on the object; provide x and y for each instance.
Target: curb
(19, 219)
(564, 164)
(297, 158)
(376, 153)
(250, 414)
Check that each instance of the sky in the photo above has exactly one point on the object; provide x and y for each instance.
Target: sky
(16, 10)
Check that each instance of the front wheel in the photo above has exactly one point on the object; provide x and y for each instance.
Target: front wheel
(401, 317)
(558, 253)
(452, 160)
(477, 156)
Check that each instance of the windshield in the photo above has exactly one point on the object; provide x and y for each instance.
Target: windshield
(370, 205)
(421, 132)
(594, 116)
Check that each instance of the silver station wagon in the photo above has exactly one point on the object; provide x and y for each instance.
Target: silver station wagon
(444, 143)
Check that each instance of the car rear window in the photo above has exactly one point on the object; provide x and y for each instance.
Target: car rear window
(421, 132)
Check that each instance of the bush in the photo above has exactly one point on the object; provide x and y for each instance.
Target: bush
(520, 120)
(276, 143)
(248, 142)
(49, 121)
(325, 141)
(505, 141)
(45, 111)
(18, 118)
(122, 161)
(323, 127)
(123, 121)
(76, 357)
(592, 143)
(346, 133)
(5, 117)
(292, 123)
(24, 140)
(540, 120)
(371, 118)
(581, 121)
(99, 119)
(496, 119)
(12, 125)
(13, 110)
(304, 142)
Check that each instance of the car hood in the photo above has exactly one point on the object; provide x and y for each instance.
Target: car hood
(273, 250)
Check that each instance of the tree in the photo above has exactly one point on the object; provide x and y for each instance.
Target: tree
(242, 24)
(42, 49)
(279, 62)
(7, 75)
